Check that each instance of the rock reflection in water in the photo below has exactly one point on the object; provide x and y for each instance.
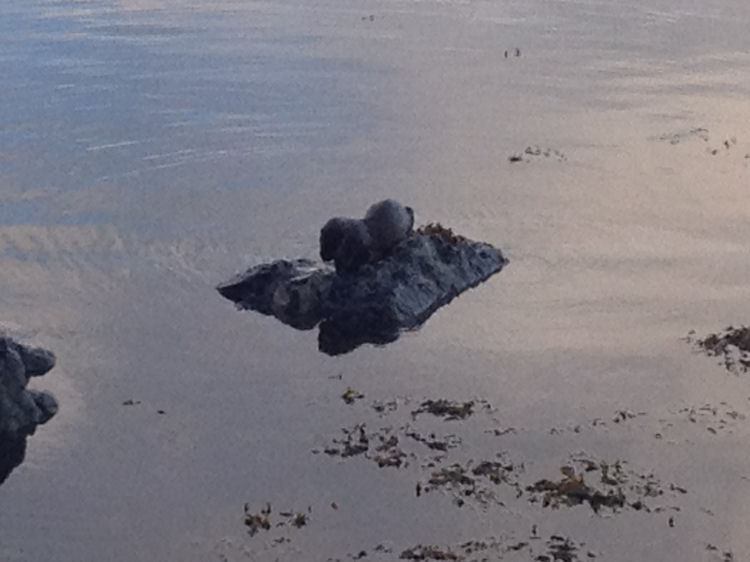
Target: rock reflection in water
(12, 453)
(337, 338)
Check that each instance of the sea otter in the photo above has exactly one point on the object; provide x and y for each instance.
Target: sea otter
(351, 243)
(347, 242)
(388, 222)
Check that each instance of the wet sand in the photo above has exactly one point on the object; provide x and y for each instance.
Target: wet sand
(149, 151)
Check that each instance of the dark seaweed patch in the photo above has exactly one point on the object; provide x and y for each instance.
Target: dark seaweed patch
(600, 484)
(447, 409)
(732, 346)
(478, 482)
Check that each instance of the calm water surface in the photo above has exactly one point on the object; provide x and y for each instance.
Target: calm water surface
(150, 149)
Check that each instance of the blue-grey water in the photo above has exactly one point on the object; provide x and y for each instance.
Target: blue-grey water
(149, 149)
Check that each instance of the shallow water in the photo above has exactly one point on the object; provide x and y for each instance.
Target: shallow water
(151, 149)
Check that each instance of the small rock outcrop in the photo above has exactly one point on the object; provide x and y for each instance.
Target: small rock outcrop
(21, 409)
(375, 302)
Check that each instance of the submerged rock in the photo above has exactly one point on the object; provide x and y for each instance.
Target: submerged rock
(375, 302)
(21, 409)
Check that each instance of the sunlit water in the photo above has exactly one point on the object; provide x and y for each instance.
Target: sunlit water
(151, 149)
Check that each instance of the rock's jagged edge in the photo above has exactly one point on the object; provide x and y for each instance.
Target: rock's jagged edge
(21, 409)
(375, 303)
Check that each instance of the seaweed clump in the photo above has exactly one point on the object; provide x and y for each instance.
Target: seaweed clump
(562, 549)
(382, 447)
(428, 553)
(261, 521)
(447, 409)
(257, 521)
(350, 395)
(556, 548)
(572, 490)
(443, 232)
(355, 442)
(733, 345)
(620, 487)
(467, 482)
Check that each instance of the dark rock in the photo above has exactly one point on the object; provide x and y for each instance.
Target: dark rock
(37, 361)
(291, 290)
(375, 302)
(12, 453)
(46, 403)
(21, 410)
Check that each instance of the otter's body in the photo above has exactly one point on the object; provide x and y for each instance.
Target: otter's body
(351, 243)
